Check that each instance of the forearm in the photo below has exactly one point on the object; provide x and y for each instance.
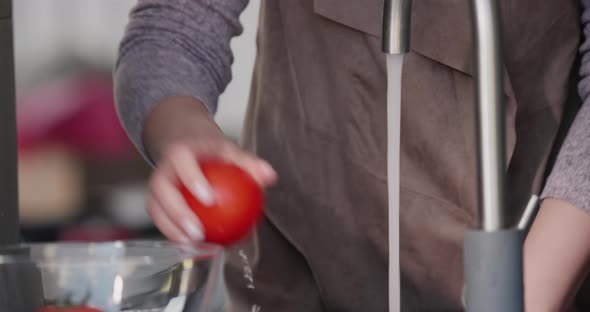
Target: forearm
(173, 48)
(557, 249)
(556, 256)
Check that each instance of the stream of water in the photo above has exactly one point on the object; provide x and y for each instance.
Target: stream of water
(394, 76)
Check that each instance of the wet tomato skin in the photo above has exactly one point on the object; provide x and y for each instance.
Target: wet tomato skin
(238, 202)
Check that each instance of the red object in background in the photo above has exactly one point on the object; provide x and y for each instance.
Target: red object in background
(78, 112)
(69, 309)
(95, 233)
(238, 202)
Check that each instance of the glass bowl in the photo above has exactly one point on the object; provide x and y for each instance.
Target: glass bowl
(139, 276)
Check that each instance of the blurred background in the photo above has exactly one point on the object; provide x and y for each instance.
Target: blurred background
(80, 178)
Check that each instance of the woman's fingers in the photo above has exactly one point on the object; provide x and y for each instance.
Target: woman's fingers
(184, 163)
(166, 193)
(259, 169)
(164, 224)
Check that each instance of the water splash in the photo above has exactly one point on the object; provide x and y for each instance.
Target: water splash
(249, 277)
(247, 273)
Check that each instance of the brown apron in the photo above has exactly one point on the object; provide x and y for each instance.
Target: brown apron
(318, 114)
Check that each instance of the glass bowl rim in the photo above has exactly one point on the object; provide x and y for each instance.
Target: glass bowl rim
(184, 252)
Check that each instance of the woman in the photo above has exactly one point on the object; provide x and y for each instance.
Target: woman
(317, 116)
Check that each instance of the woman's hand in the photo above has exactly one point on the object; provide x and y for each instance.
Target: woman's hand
(176, 134)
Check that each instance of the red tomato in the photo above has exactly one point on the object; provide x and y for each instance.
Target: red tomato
(238, 202)
(68, 309)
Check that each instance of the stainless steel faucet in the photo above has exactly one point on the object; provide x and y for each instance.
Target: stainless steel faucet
(490, 113)
(493, 253)
(396, 26)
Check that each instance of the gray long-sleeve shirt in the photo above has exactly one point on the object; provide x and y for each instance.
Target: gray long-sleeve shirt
(174, 48)
(195, 34)
(570, 177)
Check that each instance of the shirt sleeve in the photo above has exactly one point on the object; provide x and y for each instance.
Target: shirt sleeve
(173, 48)
(570, 177)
